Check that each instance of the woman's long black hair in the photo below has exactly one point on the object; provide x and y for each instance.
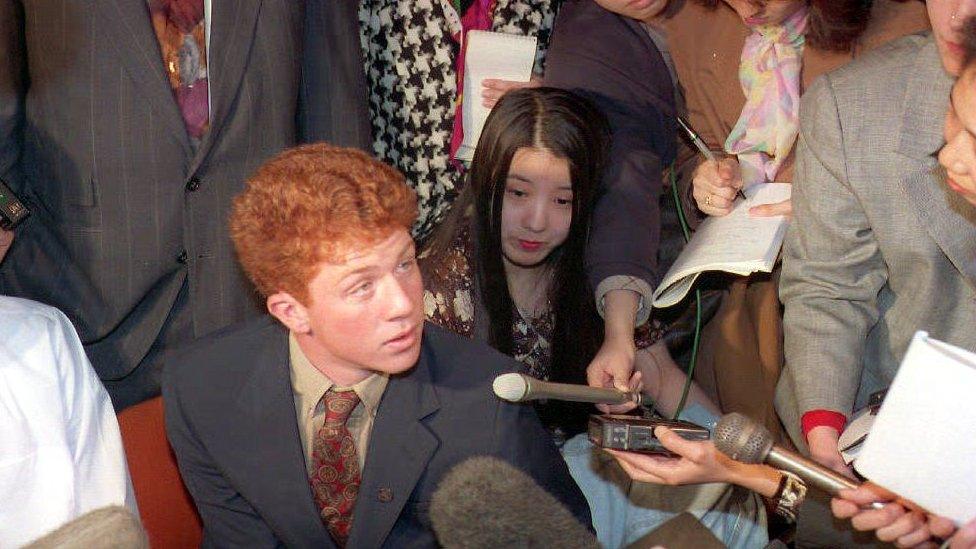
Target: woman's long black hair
(570, 128)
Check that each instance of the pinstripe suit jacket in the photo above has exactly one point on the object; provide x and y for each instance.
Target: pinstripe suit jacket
(879, 246)
(125, 209)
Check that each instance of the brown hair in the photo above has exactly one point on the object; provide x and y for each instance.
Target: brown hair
(312, 204)
(834, 25)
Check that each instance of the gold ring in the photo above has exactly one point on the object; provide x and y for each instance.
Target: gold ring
(708, 199)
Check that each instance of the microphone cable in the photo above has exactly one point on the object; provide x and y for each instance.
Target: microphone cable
(686, 231)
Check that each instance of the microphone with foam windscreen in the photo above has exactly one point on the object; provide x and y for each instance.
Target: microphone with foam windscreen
(744, 440)
(485, 502)
(520, 388)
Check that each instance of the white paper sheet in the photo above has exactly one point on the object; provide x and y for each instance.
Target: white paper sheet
(922, 445)
(490, 55)
(735, 243)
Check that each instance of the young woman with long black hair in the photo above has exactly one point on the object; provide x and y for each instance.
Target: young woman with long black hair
(507, 268)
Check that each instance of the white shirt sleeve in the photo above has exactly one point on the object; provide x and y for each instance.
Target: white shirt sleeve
(62, 452)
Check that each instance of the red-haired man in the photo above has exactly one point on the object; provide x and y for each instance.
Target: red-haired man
(333, 422)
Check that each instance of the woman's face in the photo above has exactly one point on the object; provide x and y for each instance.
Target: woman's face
(947, 18)
(958, 156)
(642, 10)
(764, 12)
(537, 208)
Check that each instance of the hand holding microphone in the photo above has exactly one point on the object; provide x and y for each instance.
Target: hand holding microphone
(516, 387)
(742, 439)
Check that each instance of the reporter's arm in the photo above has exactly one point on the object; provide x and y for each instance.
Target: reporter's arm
(636, 94)
(664, 382)
(613, 365)
(832, 272)
(698, 462)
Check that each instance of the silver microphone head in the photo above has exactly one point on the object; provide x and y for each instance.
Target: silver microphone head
(742, 439)
(511, 387)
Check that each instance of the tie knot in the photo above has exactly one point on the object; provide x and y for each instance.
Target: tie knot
(338, 406)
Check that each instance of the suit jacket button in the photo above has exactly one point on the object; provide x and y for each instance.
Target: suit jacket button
(182, 257)
(384, 495)
(193, 184)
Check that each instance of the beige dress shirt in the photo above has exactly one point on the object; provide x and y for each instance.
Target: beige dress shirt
(310, 385)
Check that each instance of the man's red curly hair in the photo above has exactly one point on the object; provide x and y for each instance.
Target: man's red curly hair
(312, 204)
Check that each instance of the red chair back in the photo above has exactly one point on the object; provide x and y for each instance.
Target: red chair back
(166, 509)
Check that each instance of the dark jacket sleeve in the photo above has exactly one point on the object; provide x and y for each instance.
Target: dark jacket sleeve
(333, 103)
(613, 61)
(533, 452)
(12, 89)
(228, 519)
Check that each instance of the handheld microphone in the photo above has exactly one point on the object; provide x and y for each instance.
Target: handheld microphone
(484, 503)
(516, 387)
(744, 440)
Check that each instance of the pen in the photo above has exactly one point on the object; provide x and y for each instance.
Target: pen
(696, 140)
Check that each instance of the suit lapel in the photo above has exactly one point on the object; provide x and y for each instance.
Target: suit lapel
(399, 449)
(231, 35)
(274, 467)
(949, 219)
(133, 36)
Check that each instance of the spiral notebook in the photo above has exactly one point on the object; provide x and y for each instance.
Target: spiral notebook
(490, 55)
(736, 243)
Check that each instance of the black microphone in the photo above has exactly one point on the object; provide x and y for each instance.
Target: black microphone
(520, 388)
(484, 503)
(744, 440)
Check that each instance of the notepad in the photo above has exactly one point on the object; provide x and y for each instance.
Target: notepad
(490, 55)
(736, 243)
(922, 445)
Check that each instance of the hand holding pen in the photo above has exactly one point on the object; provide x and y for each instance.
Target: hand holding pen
(716, 182)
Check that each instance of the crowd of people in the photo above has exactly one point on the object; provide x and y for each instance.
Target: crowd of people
(256, 211)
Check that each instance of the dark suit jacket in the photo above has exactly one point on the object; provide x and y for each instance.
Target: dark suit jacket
(613, 61)
(125, 210)
(230, 416)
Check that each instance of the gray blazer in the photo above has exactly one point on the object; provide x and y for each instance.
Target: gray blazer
(125, 210)
(879, 246)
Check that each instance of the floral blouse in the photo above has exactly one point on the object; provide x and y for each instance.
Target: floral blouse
(449, 301)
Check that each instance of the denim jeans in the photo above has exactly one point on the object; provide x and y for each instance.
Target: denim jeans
(624, 511)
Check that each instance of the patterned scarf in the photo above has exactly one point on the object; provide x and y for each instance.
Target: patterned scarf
(770, 76)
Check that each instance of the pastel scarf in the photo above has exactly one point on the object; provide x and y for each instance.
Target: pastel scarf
(769, 72)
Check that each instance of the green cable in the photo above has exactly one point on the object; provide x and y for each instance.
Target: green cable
(698, 306)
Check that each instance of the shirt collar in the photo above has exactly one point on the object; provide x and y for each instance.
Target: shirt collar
(310, 384)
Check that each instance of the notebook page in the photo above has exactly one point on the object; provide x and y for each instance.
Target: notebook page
(490, 55)
(735, 243)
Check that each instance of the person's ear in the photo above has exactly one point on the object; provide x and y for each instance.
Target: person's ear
(290, 312)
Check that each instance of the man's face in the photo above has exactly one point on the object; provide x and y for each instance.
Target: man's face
(364, 313)
(947, 18)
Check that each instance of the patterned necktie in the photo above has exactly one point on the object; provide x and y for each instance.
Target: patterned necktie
(181, 31)
(335, 467)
